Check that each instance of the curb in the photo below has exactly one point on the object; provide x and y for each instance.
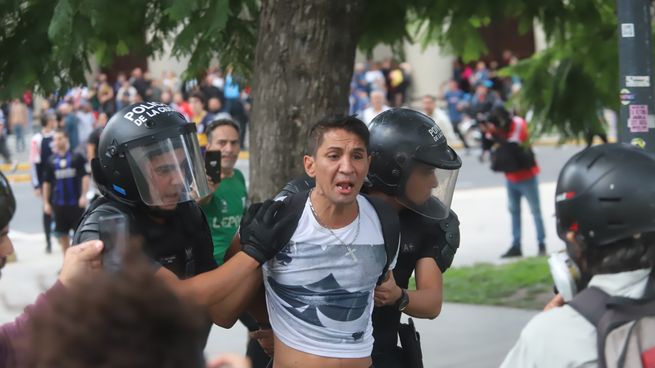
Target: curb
(19, 167)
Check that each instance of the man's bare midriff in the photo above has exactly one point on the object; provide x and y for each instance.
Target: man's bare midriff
(287, 357)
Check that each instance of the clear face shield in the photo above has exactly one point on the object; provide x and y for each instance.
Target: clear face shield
(169, 171)
(421, 196)
(429, 185)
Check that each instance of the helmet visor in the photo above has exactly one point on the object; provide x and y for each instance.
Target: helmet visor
(420, 195)
(169, 171)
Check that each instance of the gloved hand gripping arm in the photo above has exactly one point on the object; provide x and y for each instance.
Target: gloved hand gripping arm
(265, 230)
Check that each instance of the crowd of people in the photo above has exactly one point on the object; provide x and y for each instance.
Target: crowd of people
(219, 93)
(67, 131)
(471, 91)
(320, 273)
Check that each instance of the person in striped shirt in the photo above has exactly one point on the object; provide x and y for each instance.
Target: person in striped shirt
(65, 183)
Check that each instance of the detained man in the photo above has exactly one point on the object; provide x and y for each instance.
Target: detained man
(319, 287)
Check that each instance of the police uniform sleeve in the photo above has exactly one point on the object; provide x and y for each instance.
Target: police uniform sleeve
(88, 228)
(450, 226)
(446, 241)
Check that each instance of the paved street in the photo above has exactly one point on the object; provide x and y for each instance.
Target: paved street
(463, 336)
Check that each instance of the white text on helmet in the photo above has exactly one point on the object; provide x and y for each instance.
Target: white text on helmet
(436, 133)
(140, 113)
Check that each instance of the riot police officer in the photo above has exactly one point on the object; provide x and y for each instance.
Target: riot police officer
(413, 168)
(150, 172)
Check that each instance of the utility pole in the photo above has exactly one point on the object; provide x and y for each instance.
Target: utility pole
(636, 124)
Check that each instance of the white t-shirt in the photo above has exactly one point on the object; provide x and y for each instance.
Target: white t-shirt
(319, 293)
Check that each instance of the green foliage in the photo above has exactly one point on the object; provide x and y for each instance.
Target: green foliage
(568, 84)
(564, 86)
(47, 43)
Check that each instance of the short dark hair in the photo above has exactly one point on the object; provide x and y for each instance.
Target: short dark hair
(348, 123)
(199, 96)
(219, 123)
(128, 319)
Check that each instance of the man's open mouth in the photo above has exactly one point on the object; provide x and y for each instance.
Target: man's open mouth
(345, 187)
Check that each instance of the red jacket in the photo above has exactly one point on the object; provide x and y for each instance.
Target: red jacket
(518, 132)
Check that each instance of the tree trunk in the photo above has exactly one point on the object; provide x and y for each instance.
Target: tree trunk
(303, 66)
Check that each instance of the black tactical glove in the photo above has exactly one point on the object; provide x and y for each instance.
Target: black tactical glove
(265, 230)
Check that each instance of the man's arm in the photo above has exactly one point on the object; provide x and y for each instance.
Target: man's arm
(82, 202)
(81, 168)
(263, 232)
(46, 198)
(227, 312)
(212, 287)
(256, 304)
(90, 151)
(425, 301)
(48, 177)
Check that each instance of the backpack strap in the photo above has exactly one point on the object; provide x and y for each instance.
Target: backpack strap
(390, 230)
(294, 205)
(591, 303)
(649, 293)
(85, 215)
(607, 312)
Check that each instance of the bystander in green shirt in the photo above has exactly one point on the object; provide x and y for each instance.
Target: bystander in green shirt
(224, 212)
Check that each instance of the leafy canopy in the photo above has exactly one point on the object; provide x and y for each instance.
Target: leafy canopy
(47, 44)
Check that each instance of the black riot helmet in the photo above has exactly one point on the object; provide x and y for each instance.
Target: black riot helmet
(149, 154)
(7, 202)
(401, 139)
(605, 193)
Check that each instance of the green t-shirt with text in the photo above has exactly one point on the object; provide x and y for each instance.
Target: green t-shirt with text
(224, 212)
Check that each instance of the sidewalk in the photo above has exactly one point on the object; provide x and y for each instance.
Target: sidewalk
(485, 224)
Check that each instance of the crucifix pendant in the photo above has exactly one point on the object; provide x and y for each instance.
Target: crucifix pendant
(351, 252)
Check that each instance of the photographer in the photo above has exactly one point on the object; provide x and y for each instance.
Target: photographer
(511, 156)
